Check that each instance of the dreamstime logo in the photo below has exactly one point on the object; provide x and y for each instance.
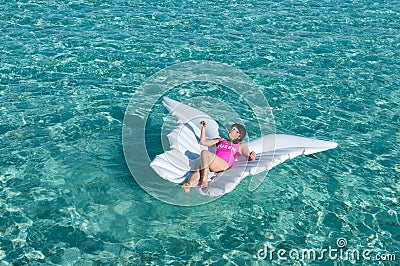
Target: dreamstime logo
(240, 87)
(340, 252)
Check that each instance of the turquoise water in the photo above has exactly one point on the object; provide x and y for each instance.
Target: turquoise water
(329, 69)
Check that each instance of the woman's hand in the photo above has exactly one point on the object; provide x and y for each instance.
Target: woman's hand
(203, 123)
(252, 156)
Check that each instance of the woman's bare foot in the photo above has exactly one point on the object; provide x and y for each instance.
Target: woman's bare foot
(204, 185)
(186, 188)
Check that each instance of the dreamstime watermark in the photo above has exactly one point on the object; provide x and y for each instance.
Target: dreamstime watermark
(339, 252)
(239, 87)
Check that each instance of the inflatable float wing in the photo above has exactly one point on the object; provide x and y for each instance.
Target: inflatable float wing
(176, 164)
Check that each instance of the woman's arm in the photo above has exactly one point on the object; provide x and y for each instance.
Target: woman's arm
(203, 140)
(244, 150)
(210, 142)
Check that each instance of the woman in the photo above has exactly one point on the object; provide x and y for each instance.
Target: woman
(226, 154)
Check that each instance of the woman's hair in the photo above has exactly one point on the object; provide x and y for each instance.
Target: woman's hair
(242, 132)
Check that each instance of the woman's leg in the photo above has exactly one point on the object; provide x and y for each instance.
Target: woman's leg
(211, 162)
(193, 180)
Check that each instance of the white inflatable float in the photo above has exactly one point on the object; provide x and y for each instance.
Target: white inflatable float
(176, 164)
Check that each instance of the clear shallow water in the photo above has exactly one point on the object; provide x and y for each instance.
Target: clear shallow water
(329, 70)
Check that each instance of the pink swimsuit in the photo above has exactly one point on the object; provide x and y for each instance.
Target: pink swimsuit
(228, 152)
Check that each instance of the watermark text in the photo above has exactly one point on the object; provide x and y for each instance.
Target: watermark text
(339, 252)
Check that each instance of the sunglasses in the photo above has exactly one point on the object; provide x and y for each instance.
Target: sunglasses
(234, 128)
